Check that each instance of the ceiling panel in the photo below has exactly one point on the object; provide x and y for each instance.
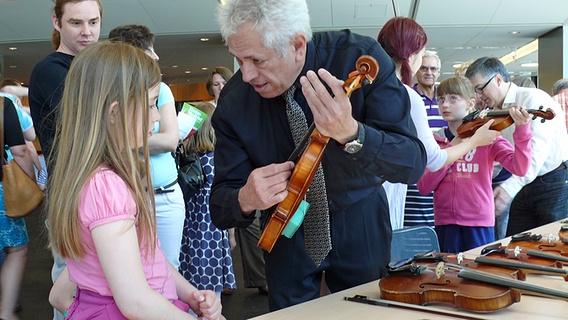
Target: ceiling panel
(114, 15)
(361, 13)
(456, 12)
(182, 16)
(19, 17)
(537, 12)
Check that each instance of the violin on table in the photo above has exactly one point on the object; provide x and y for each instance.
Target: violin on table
(501, 120)
(537, 242)
(461, 284)
(314, 143)
(551, 259)
(496, 258)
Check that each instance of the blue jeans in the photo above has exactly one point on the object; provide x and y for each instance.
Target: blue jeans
(540, 202)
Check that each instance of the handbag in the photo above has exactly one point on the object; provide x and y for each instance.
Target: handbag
(191, 176)
(22, 195)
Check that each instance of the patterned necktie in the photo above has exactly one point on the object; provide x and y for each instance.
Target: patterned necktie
(317, 239)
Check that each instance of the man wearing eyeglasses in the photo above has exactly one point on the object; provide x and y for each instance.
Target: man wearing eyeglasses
(419, 209)
(427, 75)
(540, 196)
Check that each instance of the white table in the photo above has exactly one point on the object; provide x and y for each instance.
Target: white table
(335, 307)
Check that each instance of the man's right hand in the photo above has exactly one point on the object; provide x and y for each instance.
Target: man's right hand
(265, 187)
(502, 200)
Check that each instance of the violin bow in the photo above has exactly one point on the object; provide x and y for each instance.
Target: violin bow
(402, 305)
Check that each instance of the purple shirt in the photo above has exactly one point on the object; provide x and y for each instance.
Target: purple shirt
(435, 120)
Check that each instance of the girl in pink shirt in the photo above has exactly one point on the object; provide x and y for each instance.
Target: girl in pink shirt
(101, 212)
(464, 212)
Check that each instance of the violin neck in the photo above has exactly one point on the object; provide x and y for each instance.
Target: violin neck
(546, 255)
(505, 112)
(514, 264)
(512, 283)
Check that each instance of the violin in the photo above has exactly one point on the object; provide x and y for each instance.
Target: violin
(462, 285)
(515, 267)
(501, 120)
(537, 242)
(533, 257)
(367, 69)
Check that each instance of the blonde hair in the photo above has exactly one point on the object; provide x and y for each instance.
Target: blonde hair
(462, 68)
(458, 85)
(103, 74)
(204, 139)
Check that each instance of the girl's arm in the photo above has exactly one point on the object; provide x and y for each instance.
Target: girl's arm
(483, 136)
(61, 294)
(204, 303)
(119, 254)
(23, 157)
(167, 139)
(18, 91)
(431, 179)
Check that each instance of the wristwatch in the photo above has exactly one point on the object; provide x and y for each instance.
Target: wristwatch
(355, 145)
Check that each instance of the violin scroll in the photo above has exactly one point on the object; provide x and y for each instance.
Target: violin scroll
(548, 114)
(366, 71)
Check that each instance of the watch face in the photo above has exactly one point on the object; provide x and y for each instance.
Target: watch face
(352, 147)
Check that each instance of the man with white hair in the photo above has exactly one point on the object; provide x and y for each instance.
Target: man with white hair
(288, 76)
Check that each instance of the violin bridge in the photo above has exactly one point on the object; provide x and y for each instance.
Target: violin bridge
(517, 251)
(550, 238)
(440, 269)
(460, 258)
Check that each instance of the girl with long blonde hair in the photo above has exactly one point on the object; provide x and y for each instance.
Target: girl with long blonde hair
(101, 212)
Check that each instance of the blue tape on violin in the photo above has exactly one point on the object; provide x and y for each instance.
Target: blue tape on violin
(296, 220)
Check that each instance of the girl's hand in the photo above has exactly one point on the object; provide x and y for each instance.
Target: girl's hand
(206, 305)
(484, 135)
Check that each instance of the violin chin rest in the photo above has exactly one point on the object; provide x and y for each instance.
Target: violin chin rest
(296, 220)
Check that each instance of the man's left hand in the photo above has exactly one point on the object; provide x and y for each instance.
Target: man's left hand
(332, 114)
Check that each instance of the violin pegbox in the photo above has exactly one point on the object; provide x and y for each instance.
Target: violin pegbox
(526, 236)
(547, 114)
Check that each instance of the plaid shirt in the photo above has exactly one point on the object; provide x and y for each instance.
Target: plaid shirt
(562, 99)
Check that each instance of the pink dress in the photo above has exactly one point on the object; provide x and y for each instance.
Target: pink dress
(105, 199)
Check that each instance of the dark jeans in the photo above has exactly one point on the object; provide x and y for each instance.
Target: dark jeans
(252, 256)
(540, 202)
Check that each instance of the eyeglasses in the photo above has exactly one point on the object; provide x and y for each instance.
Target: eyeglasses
(480, 90)
(450, 100)
(425, 69)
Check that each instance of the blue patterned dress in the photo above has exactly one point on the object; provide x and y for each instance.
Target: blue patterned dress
(205, 253)
(13, 232)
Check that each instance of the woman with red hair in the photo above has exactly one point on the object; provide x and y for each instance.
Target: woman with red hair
(404, 40)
